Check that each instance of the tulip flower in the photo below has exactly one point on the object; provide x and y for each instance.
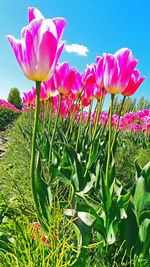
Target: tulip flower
(65, 77)
(99, 73)
(88, 77)
(98, 92)
(50, 87)
(118, 70)
(40, 46)
(133, 84)
(78, 85)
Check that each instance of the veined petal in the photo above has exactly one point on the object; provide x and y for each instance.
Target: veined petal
(60, 24)
(47, 53)
(30, 59)
(34, 13)
(17, 47)
(111, 74)
(69, 79)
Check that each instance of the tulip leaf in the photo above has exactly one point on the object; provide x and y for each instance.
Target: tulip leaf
(95, 148)
(42, 194)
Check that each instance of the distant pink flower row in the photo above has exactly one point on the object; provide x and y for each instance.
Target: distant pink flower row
(5, 104)
(40, 47)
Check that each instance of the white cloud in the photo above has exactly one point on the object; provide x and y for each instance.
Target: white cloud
(80, 50)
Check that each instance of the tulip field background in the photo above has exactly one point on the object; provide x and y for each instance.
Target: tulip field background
(75, 156)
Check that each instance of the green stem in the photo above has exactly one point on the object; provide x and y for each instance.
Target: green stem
(79, 126)
(106, 122)
(50, 117)
(89, 113)
(33, 152)
(100, 105)
(71, 121)
(72, 117)
(96, 106)
(56, 122)
(99, 108)
(121, 106)
(109, 142)
(89, 120)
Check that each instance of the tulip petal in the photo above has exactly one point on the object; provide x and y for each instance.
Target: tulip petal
(47, 53)
(17, 47)
(30, 59)
(60, 24)
(34, 13)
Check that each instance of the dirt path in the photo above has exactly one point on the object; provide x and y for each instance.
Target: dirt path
(3, 141)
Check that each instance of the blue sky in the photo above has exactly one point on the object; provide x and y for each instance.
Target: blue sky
(100, 25)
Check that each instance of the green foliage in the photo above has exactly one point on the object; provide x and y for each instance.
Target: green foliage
(14, 98)
(7, 116)
(131, 105)
(97, 215)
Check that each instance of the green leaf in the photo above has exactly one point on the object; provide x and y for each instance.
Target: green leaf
(42, 195)
(111, 175)
(78, 168)
(146, 174)
(106, 196)
(95, 149)
(47, 147)
(5, 244)
(144, 230)
(141, 199)
(138, 168)
(97, 180)
(129, 231)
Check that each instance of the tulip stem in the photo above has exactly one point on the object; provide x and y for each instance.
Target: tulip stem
(99, 108)
(79, 126)
(71, 120)
(109, 142)
(56, 122)
(72, 117)
(33, 152)
(89, 113)
(50, 117)
(121, 106)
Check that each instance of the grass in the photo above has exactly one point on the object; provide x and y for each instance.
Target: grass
(17, 212)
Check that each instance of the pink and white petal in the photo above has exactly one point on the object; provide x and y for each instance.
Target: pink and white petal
(34, 13)
(29, 54)
(35, 29)
(69, 79)
(111, 72)
(125, 74)
(17, 47)
(59, 51)
(62, 69)
(60, 24)
(48, 25)
(122, 56)
(47, 53)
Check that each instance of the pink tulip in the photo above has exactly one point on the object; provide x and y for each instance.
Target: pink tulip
(65, 77)
(88, 77)
(99, 74)
(145, 120)
(90, 92)
(5, 104)
(85, 100)
(50, 87)
(98, 92)
(78, 85)
(40, 46)
(133, 84)
(118, 70)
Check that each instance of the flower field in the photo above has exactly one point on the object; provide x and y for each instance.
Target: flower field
(75, 179)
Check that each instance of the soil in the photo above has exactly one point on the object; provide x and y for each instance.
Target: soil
(3, 141)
